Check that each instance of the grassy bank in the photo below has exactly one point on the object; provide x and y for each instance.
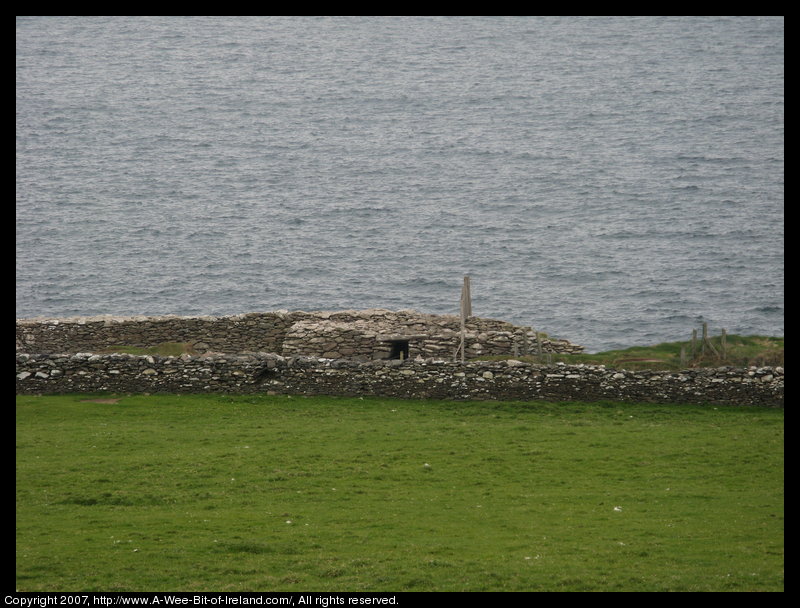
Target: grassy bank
(736, 351)
(740, 351)
(165, 349)
(332, 494)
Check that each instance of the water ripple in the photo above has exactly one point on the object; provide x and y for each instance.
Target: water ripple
(605, 179)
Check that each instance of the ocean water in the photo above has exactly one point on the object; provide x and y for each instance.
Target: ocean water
(608, 180)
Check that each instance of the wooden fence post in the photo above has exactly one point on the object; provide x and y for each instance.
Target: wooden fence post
(704, 339)
(707, 340)
(723, 343)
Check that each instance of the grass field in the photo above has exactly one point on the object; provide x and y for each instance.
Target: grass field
(251, 493)
(738, 351)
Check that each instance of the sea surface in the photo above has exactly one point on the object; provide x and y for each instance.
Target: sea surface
(613, 181)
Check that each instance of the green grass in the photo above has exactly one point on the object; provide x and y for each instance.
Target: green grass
(238, 493)
(165, 349)
(740, 351)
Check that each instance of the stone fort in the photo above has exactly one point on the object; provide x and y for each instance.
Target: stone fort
(358, 335)
(376, 352)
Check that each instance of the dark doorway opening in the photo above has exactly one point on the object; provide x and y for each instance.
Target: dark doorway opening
(399, 349)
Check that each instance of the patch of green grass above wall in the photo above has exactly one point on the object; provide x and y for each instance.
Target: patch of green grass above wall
(252, 493)
(738, 351)
(165, 349)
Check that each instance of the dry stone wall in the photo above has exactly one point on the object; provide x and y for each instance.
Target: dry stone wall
(347, 353)
(237, 333)
(507, 380)
(369, 335)
(362, 335)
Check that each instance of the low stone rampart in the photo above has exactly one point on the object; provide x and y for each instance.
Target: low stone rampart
(476, 380)
(235, 333)
(359, 335)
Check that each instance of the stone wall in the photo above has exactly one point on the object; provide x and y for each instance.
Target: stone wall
(237, 333)
(506, 380)
(368, 335)
(362, 335)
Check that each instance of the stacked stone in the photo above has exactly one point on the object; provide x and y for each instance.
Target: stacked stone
(364, 336)
(361, 335)
(505, 380)
(237, 333)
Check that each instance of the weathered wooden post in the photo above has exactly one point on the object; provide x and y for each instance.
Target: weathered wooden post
(704, 340)
(707, 340)
(466, 311)
(723, 344)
